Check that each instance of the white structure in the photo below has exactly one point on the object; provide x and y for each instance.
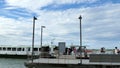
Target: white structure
(18, 50)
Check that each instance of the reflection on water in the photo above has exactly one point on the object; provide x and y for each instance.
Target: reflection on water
(12, 63)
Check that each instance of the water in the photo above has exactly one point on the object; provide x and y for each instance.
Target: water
(12, 63)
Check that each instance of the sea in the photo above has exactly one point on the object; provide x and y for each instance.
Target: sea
(12, 63)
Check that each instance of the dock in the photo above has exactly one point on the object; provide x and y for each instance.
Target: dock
(71, 63)
(74, 61)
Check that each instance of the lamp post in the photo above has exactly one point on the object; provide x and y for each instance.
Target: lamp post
(34, 18)
(41, 35)
(80, 40)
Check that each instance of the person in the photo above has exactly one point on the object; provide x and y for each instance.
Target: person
(85, 52)
(102, 50)
(116, 50)
(75, 51)
(69, 50)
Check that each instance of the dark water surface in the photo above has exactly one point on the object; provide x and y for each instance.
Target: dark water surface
(12, 63)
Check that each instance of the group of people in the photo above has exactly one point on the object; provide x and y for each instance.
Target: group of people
(76, 51)
(69, 51)
(115, 51)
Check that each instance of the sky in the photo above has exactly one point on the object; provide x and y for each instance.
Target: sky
(100, 22)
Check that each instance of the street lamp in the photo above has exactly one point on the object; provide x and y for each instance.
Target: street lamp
(34, 18)
(41, 35)
(80, 40)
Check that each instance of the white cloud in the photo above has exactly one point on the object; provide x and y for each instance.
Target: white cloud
(28, 4)
(73, 1)
(37, 4)
(97, 22)
(14, 30)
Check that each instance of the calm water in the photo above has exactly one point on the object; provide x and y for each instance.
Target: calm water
(12, 63)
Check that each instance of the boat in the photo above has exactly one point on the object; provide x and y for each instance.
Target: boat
(19, 51)
(25, 51)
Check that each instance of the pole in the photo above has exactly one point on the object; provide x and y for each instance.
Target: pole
(80, 40)
(34, 18)
(41, 37)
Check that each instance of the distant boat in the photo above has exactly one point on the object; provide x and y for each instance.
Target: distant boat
(22, 52)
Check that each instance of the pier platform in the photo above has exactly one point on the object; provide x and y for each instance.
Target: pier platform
(67, 63)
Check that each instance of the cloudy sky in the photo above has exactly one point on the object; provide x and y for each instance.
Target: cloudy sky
(100, 22)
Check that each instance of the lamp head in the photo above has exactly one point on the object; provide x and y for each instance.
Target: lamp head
(42, 26)
(35, 18)
(80, 17)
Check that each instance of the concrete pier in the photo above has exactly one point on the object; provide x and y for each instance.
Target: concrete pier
(69, 63)
(94, 61)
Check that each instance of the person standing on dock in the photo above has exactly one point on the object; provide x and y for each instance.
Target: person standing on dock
(85, 52)
(102, 50)
(116, 50)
